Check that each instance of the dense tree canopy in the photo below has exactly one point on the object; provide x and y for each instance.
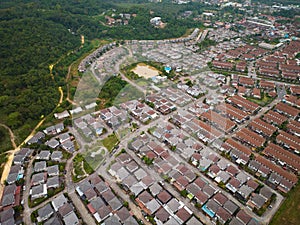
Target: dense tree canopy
(38, 33)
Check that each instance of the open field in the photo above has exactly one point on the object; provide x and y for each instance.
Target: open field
(288, 213)
(94, 156)
(145, 71)
(110, 142)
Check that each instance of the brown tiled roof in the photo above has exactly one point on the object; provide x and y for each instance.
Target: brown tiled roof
(231, 111)
(285, 108)
(164, 196)
(244, 103)
(239, 147)
(275, 117)
(260, 125)
(289, 176)
(183, 214)
(289, 139)
(294, 126)
(243, 216)
(250, 137)
(279, 153)
(220, 198)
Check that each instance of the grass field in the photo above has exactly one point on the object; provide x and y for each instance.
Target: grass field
(110, 142)
(94, 156)
(262, 102)
(128, 93)
(288, 213)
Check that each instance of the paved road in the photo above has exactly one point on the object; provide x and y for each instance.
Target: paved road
(81, 209)
(27, 211)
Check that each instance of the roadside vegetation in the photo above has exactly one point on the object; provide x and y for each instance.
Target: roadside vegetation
(5, 143)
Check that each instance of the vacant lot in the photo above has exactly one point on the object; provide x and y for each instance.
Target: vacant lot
(288, 213)
(145, 71)
(110, 142)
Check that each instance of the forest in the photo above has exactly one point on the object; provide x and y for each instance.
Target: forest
(36, 34)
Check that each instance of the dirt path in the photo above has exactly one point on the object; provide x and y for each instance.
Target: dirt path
(61, 95)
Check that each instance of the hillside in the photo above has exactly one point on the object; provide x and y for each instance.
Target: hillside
(36, 34)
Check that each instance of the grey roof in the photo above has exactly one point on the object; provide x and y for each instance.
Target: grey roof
(112, 220)
(40, 166)
(53, 170)
(242, 177)
(59, 126)
(84, 186)
(193, 188)
(12, 177)
(15, 169)
(6, 215)
(71, 219)
(245, 191)
(130, 221)
(129, 181)
(212, 205)
(63, 137)
(235, 221)
(173, 204)
(122, 173)
(230, 207)
(253, 222)
(59, 201)
(45, 212)
(132, 166)
(258, 200)
(137, 144)
(101, 187)
(140, 174)
(123, 214)
(36, 190)
(193, 221)
(56, 155)
(97, 203)
(108, 195)
(52, 143)
(153, 206)
(265, 192)
(171, 221)
(45, 154)
(38, 178)
(223, 176)
(53, 221)
(115, 203)
(10, 189)
(11, 221)
(53, 182)
(155, 189)
(116, 166)
(209, 190)
(68, 145)
(137, 188)
(8, 199)
(19, 159)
